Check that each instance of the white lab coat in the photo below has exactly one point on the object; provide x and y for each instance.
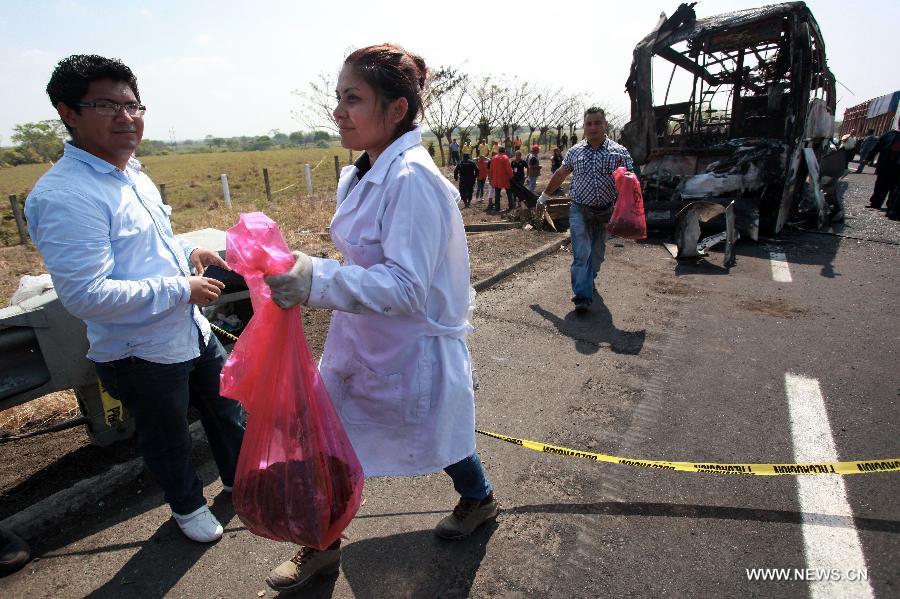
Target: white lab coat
(396, 363)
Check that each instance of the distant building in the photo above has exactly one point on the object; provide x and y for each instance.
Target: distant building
(878, 113)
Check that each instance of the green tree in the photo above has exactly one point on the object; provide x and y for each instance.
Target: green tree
(43, 139)
(298, 138)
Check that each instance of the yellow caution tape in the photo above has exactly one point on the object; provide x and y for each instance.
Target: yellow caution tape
(857, 467)
(222, 331)
(112, 407)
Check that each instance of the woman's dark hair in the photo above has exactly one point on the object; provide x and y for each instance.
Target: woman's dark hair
(72, 76)
(393, 73)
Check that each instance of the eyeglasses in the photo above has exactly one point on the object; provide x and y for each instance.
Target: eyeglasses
(106, 108)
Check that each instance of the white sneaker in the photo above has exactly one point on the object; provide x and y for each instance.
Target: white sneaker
(200, 525)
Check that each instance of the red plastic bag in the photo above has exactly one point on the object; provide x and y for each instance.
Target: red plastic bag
(298, 478)
(627, 220)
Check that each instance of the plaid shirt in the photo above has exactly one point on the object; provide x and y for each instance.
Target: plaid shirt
(592, 180)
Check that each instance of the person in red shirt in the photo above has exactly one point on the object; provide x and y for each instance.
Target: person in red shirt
(500, 174)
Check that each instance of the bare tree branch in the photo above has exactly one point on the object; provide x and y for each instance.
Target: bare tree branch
(318, 103)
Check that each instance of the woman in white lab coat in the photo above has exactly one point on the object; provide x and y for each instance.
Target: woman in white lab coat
(395, 362)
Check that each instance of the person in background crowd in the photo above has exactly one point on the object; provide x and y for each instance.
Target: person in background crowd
(865, 147)
(467, 147)
(519, 168)
(495, 149)
(887, 171)
(593, 193)
(482, 164)
(490, 188)
(517, 143)
(565, 141)
(466, 172)
(574, 138)
(483, 148)
(848, 144)
(534, 166)
(500, 174)
(556, 160)
(106, 238)
(454, 153)
(400, 302)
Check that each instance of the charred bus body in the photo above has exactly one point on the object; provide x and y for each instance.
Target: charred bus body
(746, 117)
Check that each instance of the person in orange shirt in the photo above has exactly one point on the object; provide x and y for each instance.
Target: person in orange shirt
(500, 174)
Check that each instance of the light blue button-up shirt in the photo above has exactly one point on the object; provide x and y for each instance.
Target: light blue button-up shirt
(106, 239)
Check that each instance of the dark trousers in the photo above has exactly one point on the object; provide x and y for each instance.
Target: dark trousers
(513, 196)
(469, 479)
(496, 204)
(885, 180)
(465, 191)
(454, 156)
(480, 193)
(158, 396)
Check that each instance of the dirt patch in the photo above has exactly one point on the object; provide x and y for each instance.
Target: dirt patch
(672, 287)
(776, 308)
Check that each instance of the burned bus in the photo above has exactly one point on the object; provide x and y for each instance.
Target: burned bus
(742, 116)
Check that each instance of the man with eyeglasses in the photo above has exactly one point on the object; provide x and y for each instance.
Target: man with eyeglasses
(105, 236)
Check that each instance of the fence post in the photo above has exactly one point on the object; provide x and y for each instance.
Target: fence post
(308, 173)
(225, 191)
(337, 169)
(268, 188)
(163, 194)
(20, 223)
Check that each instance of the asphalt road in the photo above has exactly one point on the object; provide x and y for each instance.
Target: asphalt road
(678, 362)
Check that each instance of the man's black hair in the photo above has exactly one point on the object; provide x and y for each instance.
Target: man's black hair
(72, 76)
(595, 110)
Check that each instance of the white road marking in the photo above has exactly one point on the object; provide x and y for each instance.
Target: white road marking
(780, 270)
(826, 546)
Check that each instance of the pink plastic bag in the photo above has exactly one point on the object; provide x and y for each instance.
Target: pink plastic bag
(627, 220)
(298, 478)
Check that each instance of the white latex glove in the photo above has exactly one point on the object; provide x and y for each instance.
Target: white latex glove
(292, 287)
(543, 199)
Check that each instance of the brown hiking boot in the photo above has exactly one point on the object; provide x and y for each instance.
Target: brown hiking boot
(306, 564)
(467, 517)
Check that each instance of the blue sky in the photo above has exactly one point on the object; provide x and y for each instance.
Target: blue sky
(229, 68)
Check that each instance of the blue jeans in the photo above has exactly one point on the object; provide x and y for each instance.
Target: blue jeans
(532, 182)
(480, 192)
(158, 395)
(469, 479)
(588, 250)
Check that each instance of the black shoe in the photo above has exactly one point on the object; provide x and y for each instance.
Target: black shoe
(582, 305)
(14, 552)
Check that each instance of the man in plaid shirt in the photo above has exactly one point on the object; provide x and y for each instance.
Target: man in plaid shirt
(593, 192)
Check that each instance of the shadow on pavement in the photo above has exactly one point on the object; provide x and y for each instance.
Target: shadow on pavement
(143, 574)
(699, 266)
(673, 510)
(594, 330)
(415, 564)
